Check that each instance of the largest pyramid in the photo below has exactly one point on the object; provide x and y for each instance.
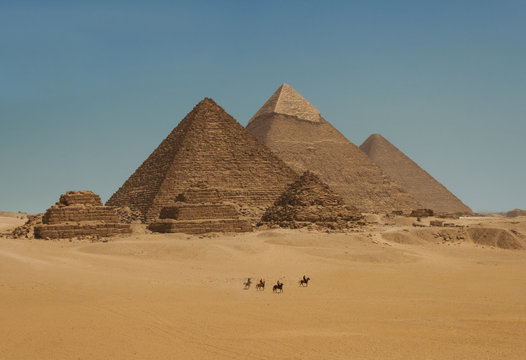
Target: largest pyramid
(422, 186)
(208, 148)
(296, 132)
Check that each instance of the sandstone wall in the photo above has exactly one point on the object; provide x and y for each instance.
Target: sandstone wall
(64, 231)
(57, 215)
(200, 227)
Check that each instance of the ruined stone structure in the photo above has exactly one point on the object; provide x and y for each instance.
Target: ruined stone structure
(80, 214)
(421, 213)
(309, 201)
(208, 146)
(197, 211)
(516, 213)
(416, 181)
(296, 132)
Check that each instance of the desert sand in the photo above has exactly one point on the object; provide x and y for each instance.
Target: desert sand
(383, 292)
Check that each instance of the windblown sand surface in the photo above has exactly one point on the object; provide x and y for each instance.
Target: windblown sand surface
(385, 293)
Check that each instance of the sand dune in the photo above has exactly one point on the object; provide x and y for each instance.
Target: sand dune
(387, 292)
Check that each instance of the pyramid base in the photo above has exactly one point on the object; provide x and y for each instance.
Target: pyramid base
(200, 226)
(68, 231)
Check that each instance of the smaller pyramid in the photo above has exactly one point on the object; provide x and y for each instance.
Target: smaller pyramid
(516, 213)
(415, 180)
(287, 101)
(80, 214)
(200, 210)
(309, 201)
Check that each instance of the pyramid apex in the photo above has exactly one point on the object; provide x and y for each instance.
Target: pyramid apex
(287, 101)
(372, 142)
(207, 105)
(206, 101)
(376, 137)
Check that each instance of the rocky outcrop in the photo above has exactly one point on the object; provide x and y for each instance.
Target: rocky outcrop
(80, 214)
(309, 202)
(197, 211)
(27, 231)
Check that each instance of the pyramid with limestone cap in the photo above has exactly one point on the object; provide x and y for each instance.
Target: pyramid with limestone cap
(422, 186)
(208, 147)
(288, 102)
(317, 146)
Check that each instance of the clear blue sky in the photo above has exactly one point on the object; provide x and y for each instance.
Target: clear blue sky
(89, 89)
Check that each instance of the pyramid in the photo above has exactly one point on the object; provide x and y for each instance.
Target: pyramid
(296, 132)
(208, 147)
(310, 201)
(200, 210)
(422, 186)
(80, 214)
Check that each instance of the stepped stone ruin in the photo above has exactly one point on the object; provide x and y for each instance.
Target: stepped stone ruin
(421, 213)
(309, 202)
(296, 132)
(416, 181)
(516, 213)
(80, 214)
(208, 146)
(197, 211)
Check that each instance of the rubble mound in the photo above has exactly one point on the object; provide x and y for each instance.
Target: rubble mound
(79, 214)
(128, 216)
(200, 210)
(495, 237)
(309, 202)
(27, 230)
